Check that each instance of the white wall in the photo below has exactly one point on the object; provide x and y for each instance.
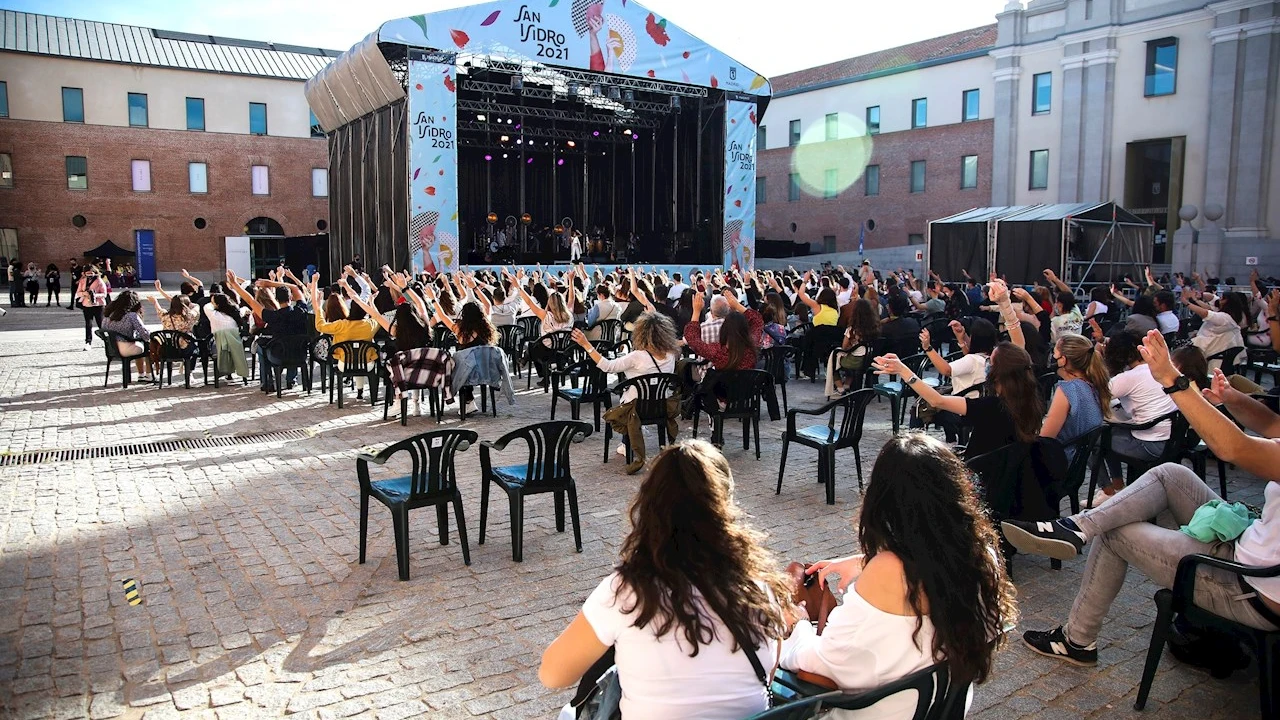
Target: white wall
(1038, 132)
(35, 93)
(942, 85)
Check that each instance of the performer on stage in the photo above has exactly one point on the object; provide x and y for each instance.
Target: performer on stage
(575, 247)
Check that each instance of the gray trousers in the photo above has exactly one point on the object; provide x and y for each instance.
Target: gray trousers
(1122, 536)
(1122, 443)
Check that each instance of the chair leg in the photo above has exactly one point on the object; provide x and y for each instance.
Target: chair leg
(400, 522)
(596, 404)
(340, 382)
(559, 497)
(1159, 635)
(573, 516)
(493, 401)
(1222, 478)
(107, 380)
(784, 399)
(373, 382)
(755, 425)
(442, 519)
(893, 411)
(516, 501)
(608, 435)
(746, 433)
(404, 410)
(1267, 676)
(364, 522)
(857, 463)
(782, 465)
(829, 473)
(1055, 564)
(279, 378)
(462, 528)
(484, 506)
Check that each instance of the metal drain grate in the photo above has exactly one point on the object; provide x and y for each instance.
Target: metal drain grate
(39, 457)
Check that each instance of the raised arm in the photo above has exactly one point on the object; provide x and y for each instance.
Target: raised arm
(195, 282)
(1119, 296)
(1193, 303)
(1000, 293)
(813, 305)
(529, 301)
(891, 365)
(233, 282)
(640, 295)
(1052, 277)
(1251, 413)
(160, 290)
(939, 363)
(368, 307)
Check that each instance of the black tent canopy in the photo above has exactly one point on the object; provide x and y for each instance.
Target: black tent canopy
(108, 249)
(1081, 242)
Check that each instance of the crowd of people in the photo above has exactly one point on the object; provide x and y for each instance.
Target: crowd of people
(694, 583)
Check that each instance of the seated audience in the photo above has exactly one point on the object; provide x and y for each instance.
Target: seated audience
(1082, 398)
(1141, 400)
(124, 316)
(739, 335)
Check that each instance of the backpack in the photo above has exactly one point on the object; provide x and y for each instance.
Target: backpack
(1207, 648)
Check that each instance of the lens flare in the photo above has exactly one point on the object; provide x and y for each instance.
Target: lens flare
(829, 167)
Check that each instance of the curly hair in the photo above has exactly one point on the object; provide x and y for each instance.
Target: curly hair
(655, 333)
(688, 540)
(921, 506)
(474, 326)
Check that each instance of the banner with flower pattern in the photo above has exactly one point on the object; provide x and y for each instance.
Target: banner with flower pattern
(740, 184)
(433, 165)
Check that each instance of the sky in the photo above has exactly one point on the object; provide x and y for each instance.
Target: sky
(771, 37)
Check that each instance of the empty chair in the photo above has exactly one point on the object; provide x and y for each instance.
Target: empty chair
(1226, 360)
(321, 358)
(545, 470)
(432, 481)
(511, 340)
(592, 387)
(173, 346)
(827, 439)
(356, 359)
(733, 395)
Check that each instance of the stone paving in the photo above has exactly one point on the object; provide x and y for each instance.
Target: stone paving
(253, 604)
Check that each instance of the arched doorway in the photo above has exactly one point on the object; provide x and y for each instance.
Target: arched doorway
(263, 227)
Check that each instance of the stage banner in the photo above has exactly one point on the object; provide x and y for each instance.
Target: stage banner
(144, 247)
(740, 184)
(613, 36)
(433, 164)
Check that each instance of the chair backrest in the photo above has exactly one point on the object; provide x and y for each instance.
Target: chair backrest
(561, 340)
(803, 708)
(796, 332)
(1083, 447)
(652, 393)
(855, 415)
(1227, 358)
(433, 459)
(1047, 381)
(443, 337)
(320, 347)
(548, 442)
(595, 383)
(510, 337)
(775, 361)
(358, 357)
(531, 326)
(175, 344)
(288, 350)
(739, 389)
(1182, 438)
(938, 695)
(610, 330)
(109, 342)
(999, 471)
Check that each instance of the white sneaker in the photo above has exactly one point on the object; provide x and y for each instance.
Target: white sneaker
(87, 346)
(622, 450)
(471, 408)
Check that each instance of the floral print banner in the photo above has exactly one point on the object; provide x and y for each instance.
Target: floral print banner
(740, 184)
(433, 165)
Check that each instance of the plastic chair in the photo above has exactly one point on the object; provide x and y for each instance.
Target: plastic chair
(546, 470)
(898, 392)
(1181, 600)
(109, 339)
(610, 330)
(175, 346)
(530, 329)
(1181, 439)
(774, 361)
(443, 338)
(595, 390)
(939, 696)
(1078, 469)
(829, 438)
(511, 340)
(732, 395)
(359, 359)
(435, 400)
(999, 473)
(286, 352)
(320, 357)
(652, 393)
(818, 343)
(557, 357)
(1260, 360)
(795, 338)
(1227, 358)
(431, 482)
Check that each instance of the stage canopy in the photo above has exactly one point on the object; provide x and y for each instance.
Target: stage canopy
(1081, 242)
(108, 249)
(594, 114)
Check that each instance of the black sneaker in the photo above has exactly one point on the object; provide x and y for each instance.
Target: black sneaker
(1054, 643)
(1051, 539)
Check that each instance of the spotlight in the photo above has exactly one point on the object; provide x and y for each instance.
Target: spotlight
(488, 158)
(573, 89)
(675, 103)
(505, 138)
(629, 95)
(517, 126)
(627, 131)
(517, 83)
(505, 156)
(560, 161)
(572, 144)
(595, 133)
(615, 93)
(498, 120)
(530, 161)
(509, 120)
(480, 117)
(595, 89)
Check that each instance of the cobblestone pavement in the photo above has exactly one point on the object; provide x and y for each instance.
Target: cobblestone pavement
(253, 604)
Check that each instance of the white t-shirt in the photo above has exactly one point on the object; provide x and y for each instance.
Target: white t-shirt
(1168, 322)
(861, 648)
(660, 681)
(1143, 399)
(676, 291)
(219, 321)
(968, 371)
(1259, 544)
(1096, 309)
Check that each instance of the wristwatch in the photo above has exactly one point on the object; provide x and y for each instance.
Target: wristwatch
(914, 379)
(1182, 383)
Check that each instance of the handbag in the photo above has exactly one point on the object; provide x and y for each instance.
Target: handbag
(599, 692)
(818, 602)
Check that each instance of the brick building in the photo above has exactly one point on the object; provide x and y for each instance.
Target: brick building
(106, 130)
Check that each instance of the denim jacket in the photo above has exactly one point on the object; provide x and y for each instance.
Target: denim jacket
(483, 365)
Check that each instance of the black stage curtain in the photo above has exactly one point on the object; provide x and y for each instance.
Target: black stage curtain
(369, 190)
(958, 246)
(1025, 249)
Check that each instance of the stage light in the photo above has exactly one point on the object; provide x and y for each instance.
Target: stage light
(573, 89)
(629, 95)
(509, 121)
(596, 133)
(505, 156)
(529, 162)
(488, 158)
(517, 126)
(480, 117)
(595, 88)
(498, 120)
(560, 161)
(572, 144)
(675, 103)
(615, 94)
(505, 138)
(517, 83)
(627, 131)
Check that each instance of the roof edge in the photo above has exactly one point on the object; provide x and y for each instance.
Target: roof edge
(970, 55)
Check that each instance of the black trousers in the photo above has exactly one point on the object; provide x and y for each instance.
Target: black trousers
(91, 315)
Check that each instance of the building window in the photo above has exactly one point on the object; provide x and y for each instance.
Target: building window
(917, 176)
(316, 130)
(77, 173)
(968, 172)
(793, 187)
(198, 177)
(195, 114)
(915, 239)
(761, 192)
(319, 182)
(1041, 93)
(4, 99)
(794, 140)
(828, 243)
(141, 173)
(833, 126)
(873, 120)
(137, 110)
(871, 180)
(257, 118)
(970, 102)
(919, 113)
(72, 105)
(1162, 67)
(761, 137)
(830, 185)
(260, 183)
(6, 170)
(1039, 169)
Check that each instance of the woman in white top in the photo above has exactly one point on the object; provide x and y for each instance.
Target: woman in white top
(555, 317)
(930, 587)
(1098, 307)
(1221, 328)
(967, 372)
(692, 578)
(1141, 400)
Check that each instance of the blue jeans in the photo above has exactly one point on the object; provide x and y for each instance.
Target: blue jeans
(1124, 444)
(267, 372)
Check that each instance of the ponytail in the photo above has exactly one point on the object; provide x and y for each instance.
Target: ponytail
(1084, 358)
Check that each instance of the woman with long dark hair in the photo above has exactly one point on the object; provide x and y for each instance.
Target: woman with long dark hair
(739, 335)
(694, 583)
(1141, 399)
(968, 372)
(861, 331)
(929, 587)
(124, 316)
(224, 322)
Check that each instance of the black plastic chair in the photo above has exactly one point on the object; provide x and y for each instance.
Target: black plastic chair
(1181, 439)
(1227, 358)
(175, 346)
(557, 356)
(286, 352)
(610, 330)
(511, 340)
(652, 393)
(109, 339)
(774, 361)
(1262, 360)
(432, 482)
(898, 392)
(434, 397)
(443, 338)
(530, 329)
(320, 357)
(795, 338)
(939, 696)
(732, 395)
(829, 438)
(999, 473)
(359, 359)
(1048, 382)
(546, 470)
(1078, 469)
(594, 389)
(1181, 600)
(818, 343)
